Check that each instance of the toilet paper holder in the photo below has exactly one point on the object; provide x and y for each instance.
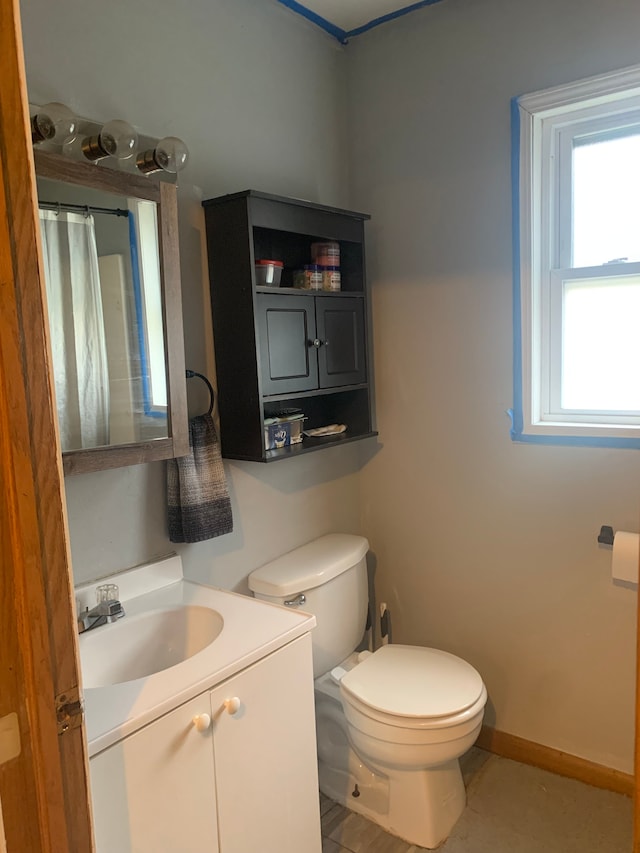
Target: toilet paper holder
(606, 535)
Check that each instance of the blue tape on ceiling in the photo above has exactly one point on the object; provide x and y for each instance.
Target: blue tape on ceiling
(343, 35)
(384, 18)
(338, 33)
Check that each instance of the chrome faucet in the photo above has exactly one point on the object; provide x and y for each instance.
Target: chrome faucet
(108, 609)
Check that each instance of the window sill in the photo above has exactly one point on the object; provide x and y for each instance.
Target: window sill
(574, 434)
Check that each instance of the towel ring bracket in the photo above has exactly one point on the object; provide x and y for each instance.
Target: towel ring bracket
(212, 395)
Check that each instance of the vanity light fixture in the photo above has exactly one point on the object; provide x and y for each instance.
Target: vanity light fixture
(53, 122)
(116, 139)
(80, 138)
(169, 155)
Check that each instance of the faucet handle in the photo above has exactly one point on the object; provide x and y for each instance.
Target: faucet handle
(107, 592)
(111, 609)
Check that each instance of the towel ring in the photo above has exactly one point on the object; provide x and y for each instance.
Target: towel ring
(212, 396)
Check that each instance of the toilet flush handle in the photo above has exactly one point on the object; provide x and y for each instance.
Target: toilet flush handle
(297, 601)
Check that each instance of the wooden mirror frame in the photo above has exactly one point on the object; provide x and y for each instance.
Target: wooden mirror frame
(58, 168)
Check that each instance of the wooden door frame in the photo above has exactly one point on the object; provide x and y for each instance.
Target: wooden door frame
(44, 793)
(636, 787)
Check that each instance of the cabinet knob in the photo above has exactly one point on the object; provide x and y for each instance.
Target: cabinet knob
(317, 343)
(201, 722)
(232, 706)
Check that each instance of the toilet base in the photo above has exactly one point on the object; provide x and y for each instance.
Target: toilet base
(419, 806)
(357, 788)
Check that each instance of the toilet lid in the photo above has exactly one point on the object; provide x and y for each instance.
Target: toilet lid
(413, 681)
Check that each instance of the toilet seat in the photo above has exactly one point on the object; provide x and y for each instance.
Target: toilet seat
(414, 687)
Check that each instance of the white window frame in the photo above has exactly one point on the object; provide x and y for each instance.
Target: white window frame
(544, 125)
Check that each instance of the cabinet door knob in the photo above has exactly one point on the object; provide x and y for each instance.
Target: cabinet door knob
(317, 343)
(201, 722)
(232, 706)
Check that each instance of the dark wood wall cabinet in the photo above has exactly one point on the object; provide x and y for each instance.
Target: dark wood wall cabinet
(280, 349)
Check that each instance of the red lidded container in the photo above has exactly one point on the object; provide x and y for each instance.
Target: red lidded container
(268, 272)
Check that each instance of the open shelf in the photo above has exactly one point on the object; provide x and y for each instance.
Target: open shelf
(297, 291)
(309, 444)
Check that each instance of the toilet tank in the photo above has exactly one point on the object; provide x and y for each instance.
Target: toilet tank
(331, 573)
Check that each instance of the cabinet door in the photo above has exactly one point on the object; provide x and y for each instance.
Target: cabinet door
(265, 755)
(340, 327)
(287, 331)
(154, 791)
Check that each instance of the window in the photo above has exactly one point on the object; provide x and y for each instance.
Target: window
(576, 174)
(147, 291)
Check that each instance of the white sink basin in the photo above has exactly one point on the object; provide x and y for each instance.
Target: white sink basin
(178, 640)
(140, 645)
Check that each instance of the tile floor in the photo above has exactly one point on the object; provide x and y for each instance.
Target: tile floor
(511, 808)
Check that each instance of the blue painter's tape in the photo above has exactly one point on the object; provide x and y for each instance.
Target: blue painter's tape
(516, 414)
(137, 296)
(327, 26)
(578, 441)
(140, 327)
(390, 17)
(517, 418)
(343, 36)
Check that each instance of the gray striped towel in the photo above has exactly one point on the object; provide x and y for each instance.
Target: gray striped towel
(198, 501)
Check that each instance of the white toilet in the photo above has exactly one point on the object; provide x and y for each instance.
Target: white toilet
(392, 724)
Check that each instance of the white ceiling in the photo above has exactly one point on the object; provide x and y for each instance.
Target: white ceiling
(346, 18)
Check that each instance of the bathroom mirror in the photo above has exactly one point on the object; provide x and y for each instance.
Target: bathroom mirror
(111, 267)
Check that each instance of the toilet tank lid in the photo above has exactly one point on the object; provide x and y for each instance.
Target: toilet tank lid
(309, 566)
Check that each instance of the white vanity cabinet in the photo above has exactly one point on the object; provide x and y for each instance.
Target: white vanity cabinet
(246, 783)
(154, 791)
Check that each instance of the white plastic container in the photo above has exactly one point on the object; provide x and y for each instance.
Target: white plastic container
(283, 431)
(268, 273)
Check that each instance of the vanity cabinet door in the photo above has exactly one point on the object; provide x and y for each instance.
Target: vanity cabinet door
(265, 756)
(154, 791)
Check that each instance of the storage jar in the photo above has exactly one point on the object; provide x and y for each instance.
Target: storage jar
(308, 278)
(331, 278)
(326, 254)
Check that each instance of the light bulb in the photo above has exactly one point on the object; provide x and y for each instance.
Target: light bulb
(170, 155)
(54, 122)
(119, 139)
(116, 139)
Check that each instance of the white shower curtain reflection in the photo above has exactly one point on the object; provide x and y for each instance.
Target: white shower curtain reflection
(77, 328)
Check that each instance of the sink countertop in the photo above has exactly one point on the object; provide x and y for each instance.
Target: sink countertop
(252, 629)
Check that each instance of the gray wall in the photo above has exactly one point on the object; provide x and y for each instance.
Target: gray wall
(257, 93)
(481, 546)
(484, 547)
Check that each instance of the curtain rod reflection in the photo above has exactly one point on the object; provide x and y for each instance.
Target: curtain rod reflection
(86, 209)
